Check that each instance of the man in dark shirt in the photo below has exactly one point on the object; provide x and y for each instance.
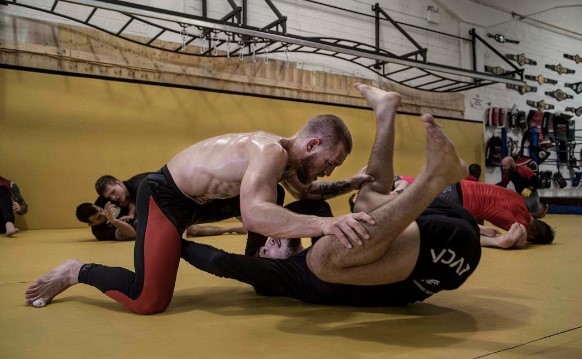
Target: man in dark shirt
(123, 193)
(417, 247)
(104, 218)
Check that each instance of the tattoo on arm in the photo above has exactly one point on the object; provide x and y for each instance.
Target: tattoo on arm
(329, 189)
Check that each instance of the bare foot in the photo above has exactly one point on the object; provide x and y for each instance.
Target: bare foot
(383, 102)
(10, 229)
(54, 282)
(442, 160)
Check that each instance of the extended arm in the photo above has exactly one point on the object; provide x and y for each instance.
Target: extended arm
(325, 190)
(514, 238)
(205, 230)
(488, 231)
(261, 214)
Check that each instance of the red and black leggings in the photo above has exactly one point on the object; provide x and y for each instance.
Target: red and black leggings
(163, 215)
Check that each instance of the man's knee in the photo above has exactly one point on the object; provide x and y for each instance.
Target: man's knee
(152, 306)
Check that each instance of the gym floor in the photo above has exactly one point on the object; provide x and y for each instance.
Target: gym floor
(518, 303)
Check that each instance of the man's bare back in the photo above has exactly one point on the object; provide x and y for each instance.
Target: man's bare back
(214, 168)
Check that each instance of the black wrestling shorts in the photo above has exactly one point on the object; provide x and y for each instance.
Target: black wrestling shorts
(450, 249)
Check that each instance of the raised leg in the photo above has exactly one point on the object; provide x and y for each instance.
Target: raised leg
(382, 259)
(380, 166)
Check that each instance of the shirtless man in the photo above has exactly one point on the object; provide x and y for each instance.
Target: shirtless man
(417, 248)
(191, 189)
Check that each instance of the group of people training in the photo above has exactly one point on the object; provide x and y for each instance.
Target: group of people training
(112, 216)
(393, 249)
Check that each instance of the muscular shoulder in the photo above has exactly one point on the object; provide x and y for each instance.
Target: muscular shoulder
(264, 144)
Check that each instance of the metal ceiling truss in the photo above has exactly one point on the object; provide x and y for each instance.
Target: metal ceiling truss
(231, 36)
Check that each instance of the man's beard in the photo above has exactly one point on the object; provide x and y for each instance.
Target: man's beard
(304, 169)
(293, 247)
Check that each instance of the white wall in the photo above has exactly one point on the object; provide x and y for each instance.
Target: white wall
(550, 30)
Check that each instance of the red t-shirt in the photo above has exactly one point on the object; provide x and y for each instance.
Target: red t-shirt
(498, 205)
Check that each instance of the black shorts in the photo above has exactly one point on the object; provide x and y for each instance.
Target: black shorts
(449, 247)
(182, 210)
(446, 229)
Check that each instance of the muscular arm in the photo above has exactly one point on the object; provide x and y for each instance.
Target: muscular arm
(324, 190)
(319, 190)
(258, 192)
(261, 214)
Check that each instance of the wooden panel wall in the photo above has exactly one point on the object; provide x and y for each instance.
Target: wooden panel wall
(49, 46)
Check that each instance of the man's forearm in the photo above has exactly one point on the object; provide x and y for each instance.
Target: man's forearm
(124, 230)
(326, 190)
(273, 220)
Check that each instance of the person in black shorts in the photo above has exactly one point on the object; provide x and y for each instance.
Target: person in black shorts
(419, 246)
(447, 236)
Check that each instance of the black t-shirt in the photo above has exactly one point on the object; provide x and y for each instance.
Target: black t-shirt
(133, 183)
(106, 231)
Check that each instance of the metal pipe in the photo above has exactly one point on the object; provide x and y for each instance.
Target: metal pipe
(168, 15)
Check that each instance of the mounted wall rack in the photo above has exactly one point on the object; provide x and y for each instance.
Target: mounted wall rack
(232, 36)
